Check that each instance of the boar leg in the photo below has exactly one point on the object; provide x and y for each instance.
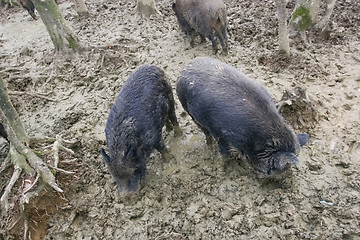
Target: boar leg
(213, 43)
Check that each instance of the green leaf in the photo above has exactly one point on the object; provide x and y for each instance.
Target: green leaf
(301, 18)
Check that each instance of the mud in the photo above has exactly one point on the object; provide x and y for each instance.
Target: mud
(196, 195)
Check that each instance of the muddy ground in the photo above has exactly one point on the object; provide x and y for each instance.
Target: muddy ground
(193, 196)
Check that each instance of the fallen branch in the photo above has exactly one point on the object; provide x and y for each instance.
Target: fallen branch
(39, 95)
(61, 170)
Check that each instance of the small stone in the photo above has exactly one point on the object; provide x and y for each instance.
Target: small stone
(226, 214)
(347, 107)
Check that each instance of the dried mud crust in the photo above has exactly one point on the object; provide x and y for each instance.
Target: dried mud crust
(194, 195)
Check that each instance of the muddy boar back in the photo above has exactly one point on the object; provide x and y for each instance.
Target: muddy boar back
(205, 17)
(134, 126)
(240, 115)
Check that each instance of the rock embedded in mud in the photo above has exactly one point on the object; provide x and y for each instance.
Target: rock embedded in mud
(347, 107)
(226, 214)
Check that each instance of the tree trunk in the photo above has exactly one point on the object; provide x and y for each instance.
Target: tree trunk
(314, 10)
(146, 8)
(12, 116)
(283, 29)
(81, 8)
(322, 24)
(20, 140)
(63, 38)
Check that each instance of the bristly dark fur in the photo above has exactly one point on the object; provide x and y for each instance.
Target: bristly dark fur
(3, 132)
(29, 6)
(135, 122)
(238, 113)
(204, 17)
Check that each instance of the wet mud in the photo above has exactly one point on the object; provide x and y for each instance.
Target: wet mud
(196, 194)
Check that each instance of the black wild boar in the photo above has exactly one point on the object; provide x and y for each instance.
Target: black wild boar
(134, 126)
(239, 114)
(205, 17)
(4, 144)
(29, 6)
(3, 132)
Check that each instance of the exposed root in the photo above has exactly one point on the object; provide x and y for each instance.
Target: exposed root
(32, 185)
(36, 140)
(28, 196)
(24, 159)
(14, 178)
(57, 146)
(26, 228)
(5, 164)
(61, 170)
(19, 164)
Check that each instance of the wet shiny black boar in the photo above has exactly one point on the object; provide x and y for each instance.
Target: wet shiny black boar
(204, 17)
(134, 126)
(3, 132)
(29, 6)
(240, 115)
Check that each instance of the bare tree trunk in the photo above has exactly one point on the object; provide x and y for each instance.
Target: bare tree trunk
(12, 116)
(322, 24)
(146, 8)
(314, 10)
(81, 8)
(63, 38)
(20, 141)
(283, 29)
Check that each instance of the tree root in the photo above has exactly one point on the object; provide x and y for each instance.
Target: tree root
(14, 178)
(25, 160)
(5, 165)
(39, 95)
(57, 146)
(20, 164)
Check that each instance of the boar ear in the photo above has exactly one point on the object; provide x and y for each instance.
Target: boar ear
(105, 156)
(303, 138)
(283, 160)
